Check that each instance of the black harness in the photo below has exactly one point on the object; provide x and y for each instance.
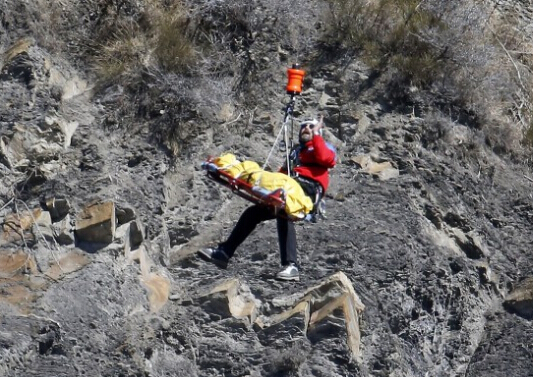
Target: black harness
(311, 188)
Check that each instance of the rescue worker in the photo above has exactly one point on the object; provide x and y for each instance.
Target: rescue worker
(310, 164)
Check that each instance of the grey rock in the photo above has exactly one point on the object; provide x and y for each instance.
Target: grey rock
(520, 300)
(437, 253)
(58, 208)
(96, 223)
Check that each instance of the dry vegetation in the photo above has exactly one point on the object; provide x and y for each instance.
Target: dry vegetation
(469, 61)
(174, 61)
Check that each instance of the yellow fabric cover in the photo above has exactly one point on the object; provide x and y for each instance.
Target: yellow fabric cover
(226, 160)
(237, 169)
(297, 204)
(243, 169)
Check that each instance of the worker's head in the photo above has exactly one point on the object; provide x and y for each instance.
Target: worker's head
(306, 130)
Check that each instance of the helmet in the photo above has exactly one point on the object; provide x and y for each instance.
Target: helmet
(311, 122)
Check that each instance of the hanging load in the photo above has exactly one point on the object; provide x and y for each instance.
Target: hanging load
(248, 180)
(252, 182)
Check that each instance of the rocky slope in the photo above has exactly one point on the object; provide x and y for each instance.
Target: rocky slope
(421, 268)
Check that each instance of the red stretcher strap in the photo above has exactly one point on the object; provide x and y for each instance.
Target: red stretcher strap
(254, 194)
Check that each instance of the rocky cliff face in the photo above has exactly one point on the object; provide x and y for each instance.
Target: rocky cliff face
(421, 268)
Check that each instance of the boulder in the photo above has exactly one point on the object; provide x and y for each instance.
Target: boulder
(230, 298)
(520, 300)
(383, 170)
(42, 227)
(124, 214)
(131, 235)
(331, 303)
(96, 223)
(285, 327)
(63, 231)
(26, 227)
(66, 264)
(58, 208)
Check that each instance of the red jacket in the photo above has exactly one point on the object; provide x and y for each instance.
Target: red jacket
(314, 160)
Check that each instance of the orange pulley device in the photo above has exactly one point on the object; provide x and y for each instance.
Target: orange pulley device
(296, 77)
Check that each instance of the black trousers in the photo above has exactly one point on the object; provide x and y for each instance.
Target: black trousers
(249, 219)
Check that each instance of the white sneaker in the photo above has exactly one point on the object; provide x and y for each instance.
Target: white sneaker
(289, 272)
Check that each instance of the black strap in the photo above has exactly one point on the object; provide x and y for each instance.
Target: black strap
(294, 158)
(312, 188)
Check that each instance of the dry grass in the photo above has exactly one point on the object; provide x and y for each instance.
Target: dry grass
(516, 43)
(288, 361)
(156, 39)
(467, 59)
(398, 34)
(174, 50)
(127, 53)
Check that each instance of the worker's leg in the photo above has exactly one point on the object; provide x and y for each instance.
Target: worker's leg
(287, 241)
(249, 219)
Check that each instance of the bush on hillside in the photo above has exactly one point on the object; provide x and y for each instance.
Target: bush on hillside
(465, 59)
(190, 60)
(164, 61)
(156, 38)
(169, 61)
(471, 60)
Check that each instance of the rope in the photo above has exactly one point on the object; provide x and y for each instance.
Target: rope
(274, 146)
(288, 145)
